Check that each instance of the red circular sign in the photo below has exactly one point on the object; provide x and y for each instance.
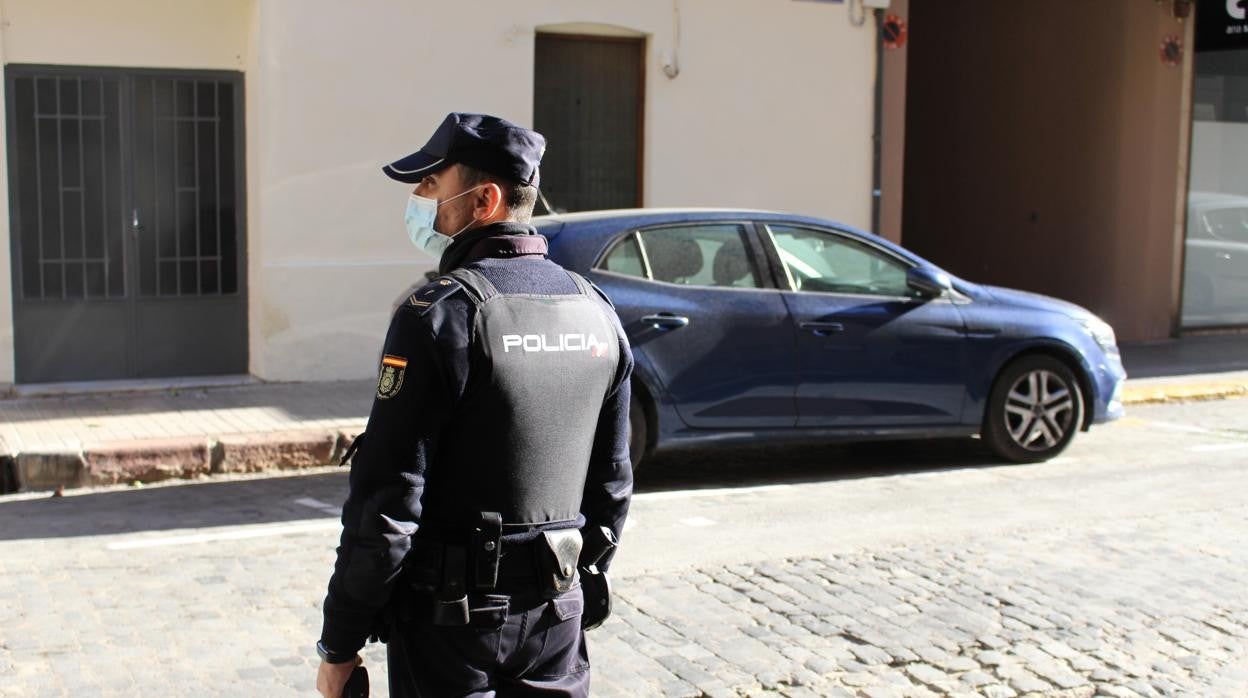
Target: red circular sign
(1172, 50)
(893, 32)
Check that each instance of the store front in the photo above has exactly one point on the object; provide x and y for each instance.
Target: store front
(1215, 266)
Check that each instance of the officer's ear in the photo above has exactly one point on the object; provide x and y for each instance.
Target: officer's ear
(489, 203)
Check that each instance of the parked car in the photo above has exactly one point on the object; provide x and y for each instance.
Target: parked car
(755, 327)
(1215, 279)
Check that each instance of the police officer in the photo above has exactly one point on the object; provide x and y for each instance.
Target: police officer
(493, 479)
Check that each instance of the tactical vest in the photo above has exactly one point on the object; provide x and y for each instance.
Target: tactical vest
(519, 442)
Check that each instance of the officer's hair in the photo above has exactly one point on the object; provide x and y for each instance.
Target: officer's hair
(519, 199)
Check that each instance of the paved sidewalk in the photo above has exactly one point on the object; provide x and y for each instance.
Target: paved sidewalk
(187, 432)
(107, 438)
(84, 420)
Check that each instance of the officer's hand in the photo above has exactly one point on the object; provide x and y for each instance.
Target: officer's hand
(330, 678)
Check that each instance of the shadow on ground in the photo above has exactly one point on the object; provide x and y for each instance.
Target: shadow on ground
(285, 499)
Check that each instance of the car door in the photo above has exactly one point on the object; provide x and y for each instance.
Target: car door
(870, 352)
(1216, 276)
(700, 312)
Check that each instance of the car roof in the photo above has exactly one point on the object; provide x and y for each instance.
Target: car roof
(577, 238)
(1197, 198)
(649, 216)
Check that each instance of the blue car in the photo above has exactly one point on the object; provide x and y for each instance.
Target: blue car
(750, 326)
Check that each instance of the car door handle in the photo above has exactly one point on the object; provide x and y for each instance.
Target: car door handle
(823, 329)
(981, 332)
(666, 321)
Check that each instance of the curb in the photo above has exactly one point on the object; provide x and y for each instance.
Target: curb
(153, 460)
(1182, 392)
(8, 474)
(49, 469)
(282, 450)
(147, 460)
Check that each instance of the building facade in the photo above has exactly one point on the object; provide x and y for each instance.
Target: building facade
(193, 188)
(1093, 151)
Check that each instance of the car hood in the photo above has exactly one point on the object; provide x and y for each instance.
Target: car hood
(1036, 301)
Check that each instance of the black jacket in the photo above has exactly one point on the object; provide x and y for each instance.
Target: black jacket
(427, 368)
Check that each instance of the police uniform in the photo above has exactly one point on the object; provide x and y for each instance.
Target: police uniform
(493, 478)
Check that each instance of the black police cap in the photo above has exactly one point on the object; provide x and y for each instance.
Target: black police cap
(487, 143)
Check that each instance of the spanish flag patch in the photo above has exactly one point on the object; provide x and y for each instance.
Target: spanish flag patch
(395, 361)
(390, 380)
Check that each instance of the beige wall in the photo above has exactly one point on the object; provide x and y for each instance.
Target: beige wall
(772, 108)
(131, 33)
(7, 367)
(1046, 153)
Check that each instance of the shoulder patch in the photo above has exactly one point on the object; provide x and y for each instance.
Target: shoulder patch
(390, 378)
(428, 295)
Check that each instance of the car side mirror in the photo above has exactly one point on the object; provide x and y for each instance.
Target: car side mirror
(928, 282)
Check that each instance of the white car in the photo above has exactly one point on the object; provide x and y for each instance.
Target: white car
(1215, 279)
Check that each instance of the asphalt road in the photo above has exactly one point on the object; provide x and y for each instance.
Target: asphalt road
(885, 569)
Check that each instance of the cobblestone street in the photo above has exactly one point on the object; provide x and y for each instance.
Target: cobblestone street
(1156, 608)
(910, 570)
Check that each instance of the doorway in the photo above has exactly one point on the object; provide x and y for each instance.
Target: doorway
(126, 197)
(589, 99)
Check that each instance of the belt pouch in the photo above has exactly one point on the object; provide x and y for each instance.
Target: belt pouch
(485, 549)
(558, 561)
(450, 607)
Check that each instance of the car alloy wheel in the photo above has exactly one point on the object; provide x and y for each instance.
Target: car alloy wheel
(1039, 410)
(1034, 410)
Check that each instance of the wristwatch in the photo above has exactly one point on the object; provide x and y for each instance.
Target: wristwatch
(331, 657)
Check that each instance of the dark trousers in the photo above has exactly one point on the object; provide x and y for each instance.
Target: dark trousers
(516, 644)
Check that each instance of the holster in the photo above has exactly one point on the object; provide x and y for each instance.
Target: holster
(450, 604)
(557, 563)
(449, 570)
(486, 549)
(600, 544)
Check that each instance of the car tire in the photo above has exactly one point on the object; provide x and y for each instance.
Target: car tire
(637, 431)
(1034, 410)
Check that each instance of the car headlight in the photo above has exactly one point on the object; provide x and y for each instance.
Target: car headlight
(1101, 333)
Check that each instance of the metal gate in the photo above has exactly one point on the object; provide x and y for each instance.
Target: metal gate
(126, 222)
(588, 98)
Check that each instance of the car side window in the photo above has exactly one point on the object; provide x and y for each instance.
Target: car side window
(715, 255)
(824, 262)
(625, 258)
(700, 255)
(1230, 224)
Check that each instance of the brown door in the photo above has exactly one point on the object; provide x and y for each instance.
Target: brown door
(588, 97)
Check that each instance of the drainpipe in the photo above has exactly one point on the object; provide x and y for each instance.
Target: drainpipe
(877, 136)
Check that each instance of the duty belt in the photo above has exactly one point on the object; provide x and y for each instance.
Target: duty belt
(450, 569)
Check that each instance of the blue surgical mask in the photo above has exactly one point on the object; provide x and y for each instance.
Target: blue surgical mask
(420, 216)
